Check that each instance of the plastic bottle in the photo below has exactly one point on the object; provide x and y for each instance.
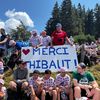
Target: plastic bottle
(63, 96)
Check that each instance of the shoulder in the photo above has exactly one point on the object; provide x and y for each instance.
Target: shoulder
(88, 73)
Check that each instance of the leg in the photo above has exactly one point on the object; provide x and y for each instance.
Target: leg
(96, 94)
(54, 93)
(71, 94)
(43, 95)
(77, 91)
(58, 93)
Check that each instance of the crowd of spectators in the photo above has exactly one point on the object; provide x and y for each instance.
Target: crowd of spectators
(47, 87)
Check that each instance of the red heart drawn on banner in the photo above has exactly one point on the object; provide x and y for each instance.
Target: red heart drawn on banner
(25, 51)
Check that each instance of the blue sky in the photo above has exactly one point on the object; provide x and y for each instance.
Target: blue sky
(38, 10)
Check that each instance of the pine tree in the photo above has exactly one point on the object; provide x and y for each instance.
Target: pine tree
(81, 19)
(89, 22)
(53, 20)
(66, 16)
(97, 20)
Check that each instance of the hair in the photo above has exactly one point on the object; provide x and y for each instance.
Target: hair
(82, 65)
(2, 31)
(36, 72)
(47, 71)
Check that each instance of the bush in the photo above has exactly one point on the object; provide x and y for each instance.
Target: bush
(84, 38)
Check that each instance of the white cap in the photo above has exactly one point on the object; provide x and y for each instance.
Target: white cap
(11, 42)
(34, 32)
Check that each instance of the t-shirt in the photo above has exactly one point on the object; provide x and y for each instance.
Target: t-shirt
(20, 74)
(48, 82)
(20, 44)
(35, 40)
(85, 79)
(58, 37)
(33, 83)
(46, 40)
(62, 81)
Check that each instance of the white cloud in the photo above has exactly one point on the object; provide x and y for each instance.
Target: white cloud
(21, 16)
(11, 24)
(15, 19)
(2, 24)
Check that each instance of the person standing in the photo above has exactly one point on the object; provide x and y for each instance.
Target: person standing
(59, 37)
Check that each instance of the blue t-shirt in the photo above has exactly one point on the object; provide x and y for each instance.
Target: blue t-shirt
(20, 44)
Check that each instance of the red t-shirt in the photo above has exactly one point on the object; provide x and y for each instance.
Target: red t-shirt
(58, 37)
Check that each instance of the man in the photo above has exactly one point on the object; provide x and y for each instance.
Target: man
(35, 40)
(59, 37)
(18, 45)
(37, 84)
(20, 77)
(46, 40)
(85, 83)
(49, 86)
(3, 40)
(63, 84)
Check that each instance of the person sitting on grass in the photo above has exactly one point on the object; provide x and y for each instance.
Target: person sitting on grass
(20, 76)
(63, 84)
(49, 86)
(37, 85)
(85, 83)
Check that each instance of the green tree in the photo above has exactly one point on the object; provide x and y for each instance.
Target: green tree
(66, 16)
(97, 20)
(53, 20)
(89, 22)
(21, 33)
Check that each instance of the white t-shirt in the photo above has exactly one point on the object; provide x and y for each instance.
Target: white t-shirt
(46, 40)
(62, 81)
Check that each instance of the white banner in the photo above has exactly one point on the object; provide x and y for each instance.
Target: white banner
(50, 58)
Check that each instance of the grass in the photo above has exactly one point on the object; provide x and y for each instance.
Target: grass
(94, 69)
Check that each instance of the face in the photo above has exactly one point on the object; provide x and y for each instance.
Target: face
(43, 33)
(58, 28)
(79, 69)
(35, 76)
(47, 76)
(22, 65)
(63, 74)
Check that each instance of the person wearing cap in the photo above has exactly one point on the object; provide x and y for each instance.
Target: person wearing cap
(63, 84)
(85, 83)
(35, 39)
(2, 90)
(18, 44)
(37, 85)
(20, 76)
(46, 40)
(59, 37)
(49, 86)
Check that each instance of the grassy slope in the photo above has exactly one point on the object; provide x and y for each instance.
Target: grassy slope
(94, 69)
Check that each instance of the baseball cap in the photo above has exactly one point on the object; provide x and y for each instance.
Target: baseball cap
(34, 32)
(82, 65)
(58, 25)
(11, 42)
(21, 62)
(2, 81)
(62, 70)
